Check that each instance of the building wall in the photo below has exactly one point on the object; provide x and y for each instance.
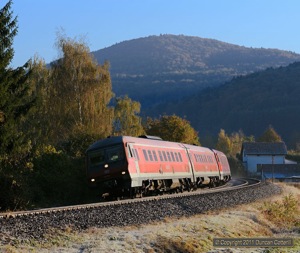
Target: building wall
(251, 161)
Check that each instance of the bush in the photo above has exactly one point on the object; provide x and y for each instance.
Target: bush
(284, 213)
(57, 179)
(14, 184)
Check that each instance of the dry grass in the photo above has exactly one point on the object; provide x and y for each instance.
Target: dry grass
(274, 217)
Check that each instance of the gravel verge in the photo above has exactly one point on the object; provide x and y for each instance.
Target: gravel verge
(36, 226)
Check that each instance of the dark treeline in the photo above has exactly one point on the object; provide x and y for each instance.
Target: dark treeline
(250, 103)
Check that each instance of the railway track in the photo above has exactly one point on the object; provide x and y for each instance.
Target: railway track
(231, 185)
(36, 223)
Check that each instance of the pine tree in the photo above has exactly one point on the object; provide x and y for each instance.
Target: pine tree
(15, 100)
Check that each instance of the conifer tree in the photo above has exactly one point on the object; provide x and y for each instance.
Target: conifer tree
(15, 100)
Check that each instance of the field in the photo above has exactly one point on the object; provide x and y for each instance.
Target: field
(276, 217)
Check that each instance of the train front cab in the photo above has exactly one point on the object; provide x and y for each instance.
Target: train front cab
(107, 166)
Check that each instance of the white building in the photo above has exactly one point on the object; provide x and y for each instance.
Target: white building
(256, 153)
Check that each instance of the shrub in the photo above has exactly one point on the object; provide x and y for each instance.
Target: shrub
(284, 213)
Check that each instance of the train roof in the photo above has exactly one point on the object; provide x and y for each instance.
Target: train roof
(106, 142)
(143, 140)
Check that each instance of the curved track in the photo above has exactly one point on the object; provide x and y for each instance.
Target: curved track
(37, 223)
(231, 185)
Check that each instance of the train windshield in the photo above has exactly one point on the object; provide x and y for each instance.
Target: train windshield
(106, 155)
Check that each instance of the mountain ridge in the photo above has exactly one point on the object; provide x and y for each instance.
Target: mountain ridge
(162, 68)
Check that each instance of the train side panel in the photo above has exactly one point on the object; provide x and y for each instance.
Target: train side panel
(157, 161)
(128, 161)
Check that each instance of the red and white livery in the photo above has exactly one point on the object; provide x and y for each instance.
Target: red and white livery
(146, 164)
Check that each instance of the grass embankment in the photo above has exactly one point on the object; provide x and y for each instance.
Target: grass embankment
(277, 216)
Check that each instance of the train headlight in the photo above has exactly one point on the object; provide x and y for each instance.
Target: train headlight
(123, 172)
(106, 166)
(93, 180)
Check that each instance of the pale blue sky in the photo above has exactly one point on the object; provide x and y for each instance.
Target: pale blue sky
(250, 23)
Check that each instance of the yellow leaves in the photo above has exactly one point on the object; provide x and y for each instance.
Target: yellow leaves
(284, 213)
(173, 128)
(126, 119)
(47, 149)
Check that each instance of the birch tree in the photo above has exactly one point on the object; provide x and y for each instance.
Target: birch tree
(81, 91)
(126, 119)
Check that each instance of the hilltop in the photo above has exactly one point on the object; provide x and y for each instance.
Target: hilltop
(164, 68)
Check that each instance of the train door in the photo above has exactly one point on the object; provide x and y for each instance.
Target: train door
(133, 165)
(220, 168)
(191, 165)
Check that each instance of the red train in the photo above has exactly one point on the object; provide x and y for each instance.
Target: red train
(126, 165)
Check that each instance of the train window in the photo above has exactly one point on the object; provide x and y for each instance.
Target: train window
(145, 154)
(205, 159)
(154, 155)
(180, 158)
(169, 157)
(160, 156)
(176, 157)
(136, 154)
(210, 159)
(172, 155)
(130, 152)
(114, 154)
(150, 155)
(97, 157)
(165, 157)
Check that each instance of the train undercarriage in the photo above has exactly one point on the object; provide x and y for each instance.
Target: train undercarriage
(118, 189)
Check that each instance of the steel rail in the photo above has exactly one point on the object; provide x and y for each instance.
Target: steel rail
(229, 186)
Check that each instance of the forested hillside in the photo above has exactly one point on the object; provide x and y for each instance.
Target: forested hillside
(250, 103)
(164, 68)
